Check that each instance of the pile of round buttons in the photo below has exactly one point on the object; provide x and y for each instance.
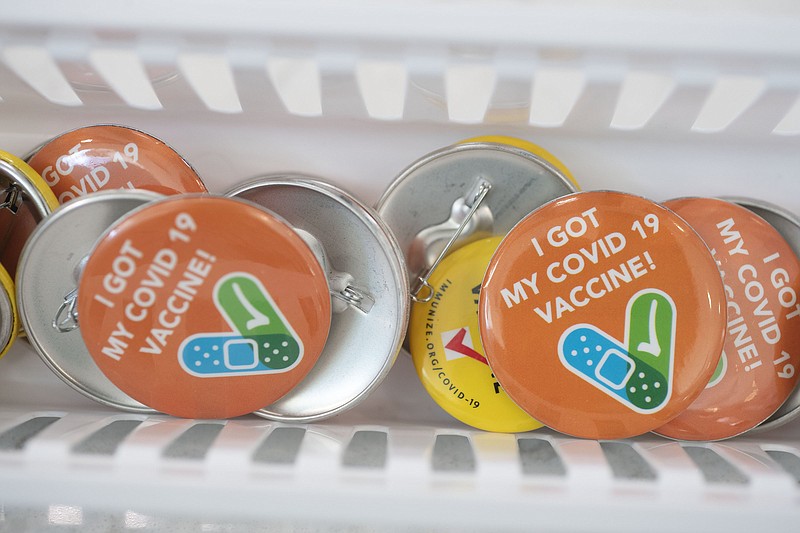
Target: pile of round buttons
(598, 314)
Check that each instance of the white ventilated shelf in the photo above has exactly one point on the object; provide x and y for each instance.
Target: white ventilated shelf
(666, 99)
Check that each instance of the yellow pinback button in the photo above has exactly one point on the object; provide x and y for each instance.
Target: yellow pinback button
(447, 351)
(448, 200)
(26, 200)
(45, 196)
(465, 192)
(9, 319)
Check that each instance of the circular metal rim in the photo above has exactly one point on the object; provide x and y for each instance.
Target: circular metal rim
(23, 311)
(409, 172)
(793, 219)
(468, 147)
(26, 178)
(41, 145)
(383, 235)
(8, 331)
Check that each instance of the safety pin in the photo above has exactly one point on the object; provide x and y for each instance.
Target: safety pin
(70, 306)
(474, 199)
(13, 199)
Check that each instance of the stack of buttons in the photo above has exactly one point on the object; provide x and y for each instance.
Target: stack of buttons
(449, 211)
(598, 314)
(26, 200)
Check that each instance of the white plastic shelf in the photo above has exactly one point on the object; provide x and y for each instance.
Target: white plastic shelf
(666, 99)
(378, 466)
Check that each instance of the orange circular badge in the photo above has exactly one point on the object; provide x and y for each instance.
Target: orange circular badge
(758, 369)
(602, 315)
(95, 158)
(204, 307)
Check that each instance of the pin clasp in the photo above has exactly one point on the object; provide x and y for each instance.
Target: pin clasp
(66, 318)
(355, 297)
(473, 200)
(13, 199)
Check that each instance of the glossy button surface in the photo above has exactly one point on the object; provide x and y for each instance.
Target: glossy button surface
(761, 274)
(204, 307)
(105, 157)
(446, 346)
(602, 315)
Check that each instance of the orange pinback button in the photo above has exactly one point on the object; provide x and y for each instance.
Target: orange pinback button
(104, 157)
(757, 372)
(204, 307)
(602, 315)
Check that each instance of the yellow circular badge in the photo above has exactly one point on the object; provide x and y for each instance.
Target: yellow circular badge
(9, 319)
(447, 350)
(33, 177)
(16, 227)
(528, 146)
(36, 201)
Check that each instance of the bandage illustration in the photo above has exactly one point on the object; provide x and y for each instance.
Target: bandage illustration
(638, 371)
(719, 372)
(261, 341)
